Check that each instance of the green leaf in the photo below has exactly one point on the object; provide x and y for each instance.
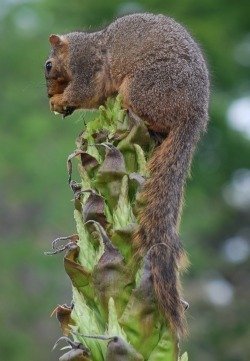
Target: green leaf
(88, 322)
(123, 214)
(87, 253)
(114, 329)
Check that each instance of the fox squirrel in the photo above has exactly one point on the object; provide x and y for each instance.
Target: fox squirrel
(161, 74)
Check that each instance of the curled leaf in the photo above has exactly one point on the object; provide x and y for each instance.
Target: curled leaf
(63, 314)
(75, 355)
(79, 275)
(94, 208)
(78, 352)
(113, 165)
(69, 161)
(68, 246)
(88, 161)
(110, 276)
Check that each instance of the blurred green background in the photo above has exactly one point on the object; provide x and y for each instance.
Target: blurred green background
(36, 205)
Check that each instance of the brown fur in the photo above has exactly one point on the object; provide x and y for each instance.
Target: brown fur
(161, 74)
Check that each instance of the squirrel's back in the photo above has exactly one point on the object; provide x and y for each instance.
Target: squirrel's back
(157, 49)
(142, 39)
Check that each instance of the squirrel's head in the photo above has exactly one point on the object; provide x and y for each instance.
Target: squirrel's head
(75, 72)
(57, 71)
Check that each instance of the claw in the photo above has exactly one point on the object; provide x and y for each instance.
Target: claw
(185, 304)
(69, 110)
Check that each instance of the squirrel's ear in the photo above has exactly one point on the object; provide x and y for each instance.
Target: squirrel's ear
(55, 40)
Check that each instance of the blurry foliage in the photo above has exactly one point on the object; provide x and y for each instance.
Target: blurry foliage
(36, 202)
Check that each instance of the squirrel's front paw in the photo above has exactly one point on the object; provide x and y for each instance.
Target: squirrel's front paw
(58, 106)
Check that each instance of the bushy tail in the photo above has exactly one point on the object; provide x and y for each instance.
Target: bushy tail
(158, 231)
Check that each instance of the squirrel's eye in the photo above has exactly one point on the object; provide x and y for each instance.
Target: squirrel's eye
(48, 65)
